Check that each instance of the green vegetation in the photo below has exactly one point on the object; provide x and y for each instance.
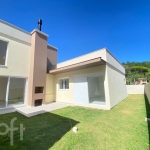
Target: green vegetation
(135, 70)
(15, 101)
(121, 128)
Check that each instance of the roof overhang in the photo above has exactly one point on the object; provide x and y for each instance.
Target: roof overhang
(85, 64)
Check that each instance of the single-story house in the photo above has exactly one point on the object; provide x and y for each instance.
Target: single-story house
(31, 76)
(141, 81)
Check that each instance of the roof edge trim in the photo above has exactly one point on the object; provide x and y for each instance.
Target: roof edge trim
(82, 55)
(52, 46)
(36, 30)
(15, 27)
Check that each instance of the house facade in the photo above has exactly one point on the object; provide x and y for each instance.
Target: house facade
(141, 81)
(31, 76)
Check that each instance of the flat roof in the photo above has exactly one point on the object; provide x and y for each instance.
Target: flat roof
(15, 27)
(85, 64)
(53, 47)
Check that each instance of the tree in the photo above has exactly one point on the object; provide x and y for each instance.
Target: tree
(135, 70)
(139, 69)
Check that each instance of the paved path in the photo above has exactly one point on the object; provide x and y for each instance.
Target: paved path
(32, 111)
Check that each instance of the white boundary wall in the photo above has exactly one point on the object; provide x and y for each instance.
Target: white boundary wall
(135, 89)
(147, 91)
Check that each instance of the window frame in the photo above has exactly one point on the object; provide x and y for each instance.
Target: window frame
(7, 92)
(5, 65)
(63, 84)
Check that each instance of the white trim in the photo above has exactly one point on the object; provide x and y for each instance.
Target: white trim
(97, 75)
(36, 30)
(105, 91)
(4, 40)
(17, 77)
(15, 39)
(13, 26)
(26, 91)
(63, 84)
(114, 57)
(83, 55)
(6, 56)
(52, 46)
(3, 66)
(7, 91)
(63, 89)
(13, 76)
(63, 78)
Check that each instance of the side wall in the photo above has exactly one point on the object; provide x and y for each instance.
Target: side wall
(3, 86)
(147, 91)
(49, 88)
(135, 89)
(110, 59)
(14, 32)
(17, 58)
(51, 58)
(68, 95)
(117, 87)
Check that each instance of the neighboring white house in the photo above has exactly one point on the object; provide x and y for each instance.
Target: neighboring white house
(141, 81)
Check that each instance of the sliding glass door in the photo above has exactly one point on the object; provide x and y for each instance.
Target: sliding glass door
(16, 91)
(12, 91)
(96, 90)
(3, 89)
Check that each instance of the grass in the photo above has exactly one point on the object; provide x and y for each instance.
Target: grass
(15, 101)
(121, 128)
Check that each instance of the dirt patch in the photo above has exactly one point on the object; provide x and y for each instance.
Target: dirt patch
(126, 112)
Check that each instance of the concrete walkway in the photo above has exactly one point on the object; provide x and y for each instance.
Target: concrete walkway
(32, 111)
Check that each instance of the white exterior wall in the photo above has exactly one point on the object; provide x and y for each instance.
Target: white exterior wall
(18, 51)
(114, 62)
(17, 59)
(103, 53)
(69, 95)
(14, 32)
(117, 87)
(135, 89)
(114, 75)
(147, 91)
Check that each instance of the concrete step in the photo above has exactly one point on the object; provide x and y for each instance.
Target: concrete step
(32, 111)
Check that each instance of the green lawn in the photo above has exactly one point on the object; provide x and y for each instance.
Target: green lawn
(121, 128)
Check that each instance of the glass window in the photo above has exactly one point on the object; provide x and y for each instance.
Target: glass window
(16, 91)
(3, 49)
(12, 91)
(64, 83)
(3, 88)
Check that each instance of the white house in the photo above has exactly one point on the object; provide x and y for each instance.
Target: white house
(30, 75)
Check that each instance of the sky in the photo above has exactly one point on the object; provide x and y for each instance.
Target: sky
(77, 27)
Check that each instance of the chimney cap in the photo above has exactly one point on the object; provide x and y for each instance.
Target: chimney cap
(40, 21)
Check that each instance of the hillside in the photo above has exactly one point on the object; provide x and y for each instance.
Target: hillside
(135, 70)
